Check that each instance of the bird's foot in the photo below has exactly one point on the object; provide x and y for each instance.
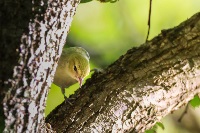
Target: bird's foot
(69, 100)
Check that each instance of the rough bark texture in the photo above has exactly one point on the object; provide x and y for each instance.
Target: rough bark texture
(32, 36)
(140, 88)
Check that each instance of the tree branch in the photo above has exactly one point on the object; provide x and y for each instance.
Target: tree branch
(138, 89)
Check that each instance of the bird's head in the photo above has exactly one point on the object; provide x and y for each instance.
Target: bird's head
(79, 67)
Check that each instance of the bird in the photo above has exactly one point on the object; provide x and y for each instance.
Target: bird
(73, 66)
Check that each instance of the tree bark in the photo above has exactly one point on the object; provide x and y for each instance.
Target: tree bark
(138, 89)
(33, 34)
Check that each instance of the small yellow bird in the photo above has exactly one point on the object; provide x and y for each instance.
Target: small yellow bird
(73, 67)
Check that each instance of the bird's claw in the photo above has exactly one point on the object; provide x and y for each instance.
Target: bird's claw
(68, 100)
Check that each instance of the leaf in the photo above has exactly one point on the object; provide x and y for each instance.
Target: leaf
(85, 1)
(103, 1)
(155, 127)
(111, 1)
(160, 125)
(150, 131)
(195, 102)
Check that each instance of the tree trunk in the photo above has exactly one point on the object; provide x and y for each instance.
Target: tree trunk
(33, 34)
(140, 88)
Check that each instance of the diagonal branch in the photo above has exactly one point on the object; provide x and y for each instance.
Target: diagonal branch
(138, 89)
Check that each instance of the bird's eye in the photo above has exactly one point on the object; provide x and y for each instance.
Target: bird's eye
(75, 69)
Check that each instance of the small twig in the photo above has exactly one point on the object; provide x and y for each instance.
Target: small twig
(184, 112)
(149, 20)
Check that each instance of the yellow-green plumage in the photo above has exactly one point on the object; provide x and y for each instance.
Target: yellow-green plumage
(73, 67)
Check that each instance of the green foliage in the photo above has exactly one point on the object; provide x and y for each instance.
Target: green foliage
(155, 127)
(160, 125)
(85, 1)
(152, 130)
(103, 1)
(195, 102)
(111, 1)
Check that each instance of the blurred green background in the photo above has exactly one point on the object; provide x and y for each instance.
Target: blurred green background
(108, 30)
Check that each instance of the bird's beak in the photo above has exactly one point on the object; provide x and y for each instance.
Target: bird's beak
(80, 81)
